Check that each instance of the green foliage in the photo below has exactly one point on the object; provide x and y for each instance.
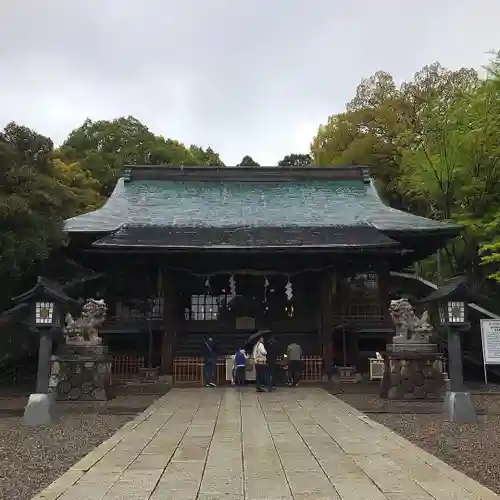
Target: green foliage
(33, 201)
(206, 157)
(433, 147)
(296, 160)
(366, 134)
(248, 161)
(103, 147)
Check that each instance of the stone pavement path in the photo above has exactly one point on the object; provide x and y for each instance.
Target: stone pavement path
(209, 444)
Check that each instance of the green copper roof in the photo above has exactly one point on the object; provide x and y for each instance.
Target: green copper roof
(219, 203)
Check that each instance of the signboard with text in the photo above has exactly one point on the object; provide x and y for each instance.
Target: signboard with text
(490, 336)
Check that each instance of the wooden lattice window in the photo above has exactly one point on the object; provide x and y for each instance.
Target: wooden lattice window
(205, 307)
(361, 300)
(134, 308)
(363, 282)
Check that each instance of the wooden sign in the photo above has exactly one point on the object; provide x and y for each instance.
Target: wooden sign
(245, 323)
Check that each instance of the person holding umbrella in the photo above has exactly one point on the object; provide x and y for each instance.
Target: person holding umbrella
(260, 360)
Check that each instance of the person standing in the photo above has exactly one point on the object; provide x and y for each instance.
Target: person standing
(260, 360)
(294, 357)
(210, 362)
(240, 362)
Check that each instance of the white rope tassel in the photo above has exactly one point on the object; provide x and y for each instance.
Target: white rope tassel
(232, 286)
(289, 290)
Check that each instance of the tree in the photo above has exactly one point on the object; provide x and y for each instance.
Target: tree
(425, 144)
(296, 160)
(103, 148)
(365, 134)
(248, 161)
(383, 122)
(84, 188)
(206, 157)
(482, 191)
(450, 166)
(33, 202)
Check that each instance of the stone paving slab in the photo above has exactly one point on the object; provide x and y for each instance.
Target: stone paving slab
(293, 444)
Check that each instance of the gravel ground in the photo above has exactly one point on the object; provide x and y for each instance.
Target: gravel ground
(472, 449)
(32, 458)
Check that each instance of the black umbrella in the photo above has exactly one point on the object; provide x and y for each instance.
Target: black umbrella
(252, 339)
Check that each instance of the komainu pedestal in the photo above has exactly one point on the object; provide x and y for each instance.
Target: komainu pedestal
(413, 367)
(81, 371)
(413, 375)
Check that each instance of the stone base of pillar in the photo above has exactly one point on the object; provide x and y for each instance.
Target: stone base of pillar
(41, 410)
(459, 408)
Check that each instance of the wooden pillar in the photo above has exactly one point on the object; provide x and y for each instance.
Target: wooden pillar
(383, 286)
(170, 323)
(326, 304)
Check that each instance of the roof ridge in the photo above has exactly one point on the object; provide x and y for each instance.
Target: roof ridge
(246, 174)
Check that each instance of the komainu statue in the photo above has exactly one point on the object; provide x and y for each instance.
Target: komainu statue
(409, 327)
(86, 326)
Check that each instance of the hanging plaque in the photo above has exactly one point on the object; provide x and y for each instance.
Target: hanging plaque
(245, 323)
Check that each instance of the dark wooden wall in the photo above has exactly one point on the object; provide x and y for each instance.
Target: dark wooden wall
(323, 300)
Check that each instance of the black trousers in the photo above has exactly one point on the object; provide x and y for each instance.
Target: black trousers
(273, 374)
(294, 371)
(239, 375)
(209, 369)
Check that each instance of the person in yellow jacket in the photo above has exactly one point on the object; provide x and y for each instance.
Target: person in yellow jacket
(260, 361)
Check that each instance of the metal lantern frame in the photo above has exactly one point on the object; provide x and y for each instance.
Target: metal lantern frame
(46, 314)
(452, 311)
(452, 299)
(46, 304)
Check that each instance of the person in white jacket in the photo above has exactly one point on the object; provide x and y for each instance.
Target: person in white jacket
(260, 361)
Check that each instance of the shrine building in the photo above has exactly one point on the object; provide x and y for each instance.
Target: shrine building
(305, 253)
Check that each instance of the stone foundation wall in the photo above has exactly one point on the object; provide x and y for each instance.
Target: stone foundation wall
(412, 376)
(81, 373)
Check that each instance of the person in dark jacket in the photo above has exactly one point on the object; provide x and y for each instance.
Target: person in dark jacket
(210, 362)
(272, 365)
(294, 358)
(240, 361)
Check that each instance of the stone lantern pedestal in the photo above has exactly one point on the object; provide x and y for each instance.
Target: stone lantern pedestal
(81, 371)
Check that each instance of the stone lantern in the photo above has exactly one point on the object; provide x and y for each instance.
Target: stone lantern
(452, 300)
(44, 305)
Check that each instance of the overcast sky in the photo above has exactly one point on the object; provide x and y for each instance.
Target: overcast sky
(243, 76)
